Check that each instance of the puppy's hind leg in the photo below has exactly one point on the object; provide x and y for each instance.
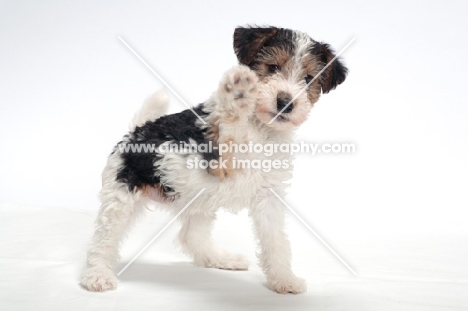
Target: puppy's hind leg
(119, 207)
(195, 239)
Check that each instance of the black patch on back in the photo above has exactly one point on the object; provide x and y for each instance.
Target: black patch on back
(138, 169)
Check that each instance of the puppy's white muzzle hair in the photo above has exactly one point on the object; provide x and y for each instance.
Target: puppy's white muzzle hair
(268, 108)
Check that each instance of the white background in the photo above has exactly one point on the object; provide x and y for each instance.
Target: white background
(68, 88)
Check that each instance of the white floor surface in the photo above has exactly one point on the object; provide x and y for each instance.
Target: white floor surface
(43, 251)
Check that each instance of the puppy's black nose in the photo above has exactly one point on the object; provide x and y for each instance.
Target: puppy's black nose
(282, 102)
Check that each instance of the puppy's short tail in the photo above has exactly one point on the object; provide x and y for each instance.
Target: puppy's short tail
(154, 107)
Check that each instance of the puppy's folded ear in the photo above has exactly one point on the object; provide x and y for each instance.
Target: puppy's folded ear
(249, 41)
(335, 73)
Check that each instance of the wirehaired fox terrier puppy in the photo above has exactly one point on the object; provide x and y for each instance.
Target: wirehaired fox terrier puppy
(271, 82)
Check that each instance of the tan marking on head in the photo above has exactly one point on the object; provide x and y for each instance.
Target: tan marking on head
(312, 66)
(279, 56)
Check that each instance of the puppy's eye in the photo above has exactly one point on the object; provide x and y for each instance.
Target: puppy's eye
(308, 78)
(273, 68)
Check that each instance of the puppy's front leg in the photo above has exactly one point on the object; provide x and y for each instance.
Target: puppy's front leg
(236, 96)
(275, 251)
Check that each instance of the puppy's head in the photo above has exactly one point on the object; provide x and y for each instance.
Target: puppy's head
(285, 62)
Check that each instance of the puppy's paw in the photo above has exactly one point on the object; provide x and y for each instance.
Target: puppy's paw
(98, 279)
(224, 261)
(238, 91)
(290, 284)
(231, 262)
